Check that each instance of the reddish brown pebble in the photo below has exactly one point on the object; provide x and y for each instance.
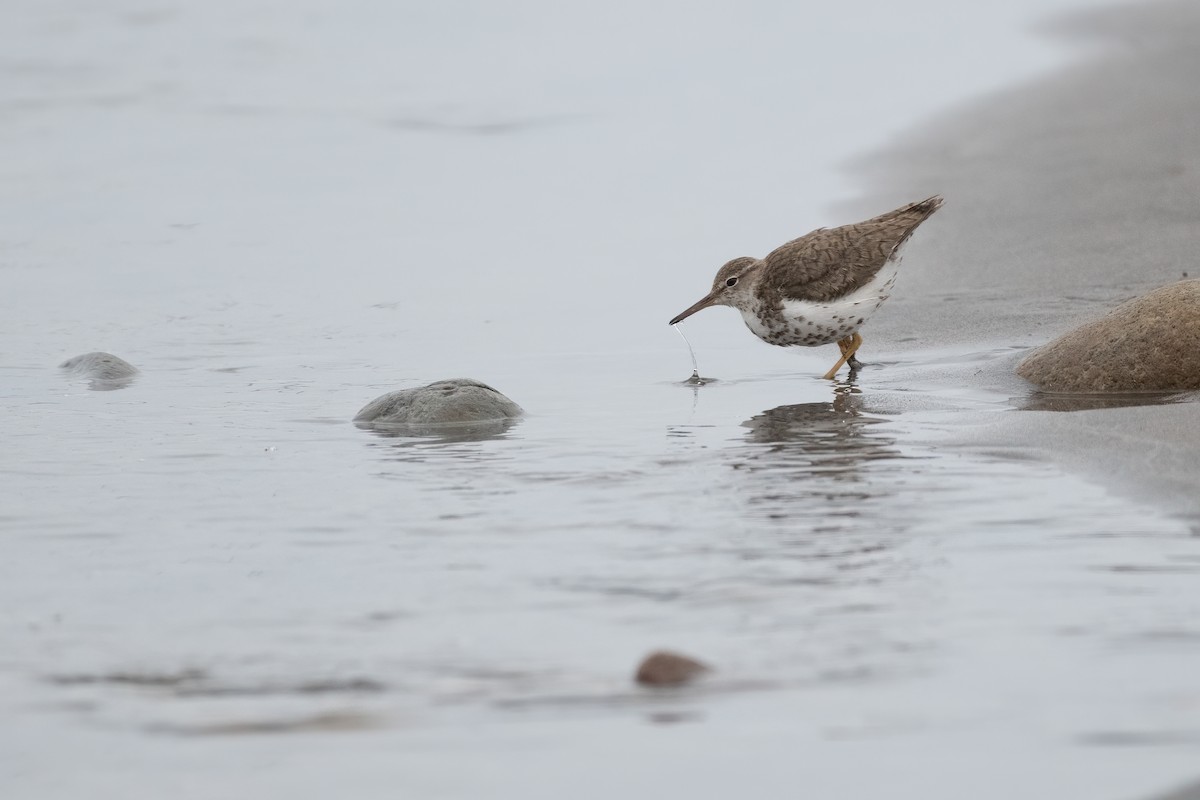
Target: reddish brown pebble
(664, 668)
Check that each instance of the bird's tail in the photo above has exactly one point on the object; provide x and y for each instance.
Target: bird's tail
(922, 209)
(901, 222)
(911, 215)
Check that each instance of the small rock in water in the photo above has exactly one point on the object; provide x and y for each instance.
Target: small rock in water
(456, 400)
(105, 370)
(664, 668)
(1151, 343)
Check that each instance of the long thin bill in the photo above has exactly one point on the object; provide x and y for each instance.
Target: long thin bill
(705, 303)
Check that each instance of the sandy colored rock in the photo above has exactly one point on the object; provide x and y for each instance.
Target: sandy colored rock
(456, 400)
(1151, 343)
(664, 668)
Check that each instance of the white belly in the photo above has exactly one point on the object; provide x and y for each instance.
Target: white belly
(806, 324)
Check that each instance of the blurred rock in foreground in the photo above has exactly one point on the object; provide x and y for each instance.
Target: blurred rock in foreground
(664, 668)
(1151, 343)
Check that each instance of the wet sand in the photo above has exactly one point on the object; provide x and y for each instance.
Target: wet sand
(1065, 197)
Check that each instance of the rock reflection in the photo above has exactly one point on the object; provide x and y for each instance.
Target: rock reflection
(447, 433)
(1061, 401)
(109, 385)
(462, 443)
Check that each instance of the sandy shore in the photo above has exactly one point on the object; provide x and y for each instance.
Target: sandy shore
(1065, 197)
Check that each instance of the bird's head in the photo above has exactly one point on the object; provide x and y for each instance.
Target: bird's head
(732, 287)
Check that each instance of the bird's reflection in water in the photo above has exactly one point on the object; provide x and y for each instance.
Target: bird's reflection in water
(821, 507)
(821, 466)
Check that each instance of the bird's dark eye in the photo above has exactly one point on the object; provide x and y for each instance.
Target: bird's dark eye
(732, 281)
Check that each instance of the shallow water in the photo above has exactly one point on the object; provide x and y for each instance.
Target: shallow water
(215, 584)
(214, 556)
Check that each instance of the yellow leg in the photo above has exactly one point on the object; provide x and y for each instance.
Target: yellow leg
(849, 346)
(854, 345)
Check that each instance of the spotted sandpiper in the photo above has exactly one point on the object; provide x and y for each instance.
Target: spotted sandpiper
(822, 287)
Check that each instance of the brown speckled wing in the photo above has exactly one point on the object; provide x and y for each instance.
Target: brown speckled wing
(831, 262)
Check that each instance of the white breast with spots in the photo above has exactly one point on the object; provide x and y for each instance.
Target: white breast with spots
(809, 324)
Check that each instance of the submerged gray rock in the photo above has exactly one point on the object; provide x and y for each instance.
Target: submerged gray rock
(447, 402)
(1150, 344)
(105, 370)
